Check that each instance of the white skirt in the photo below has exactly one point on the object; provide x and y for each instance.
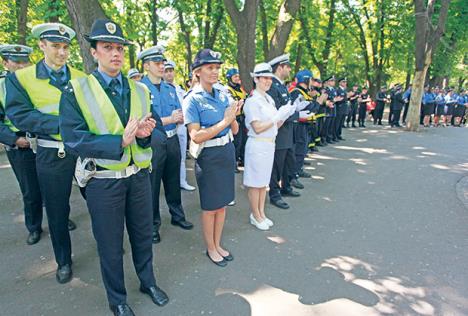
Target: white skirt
(258, 162)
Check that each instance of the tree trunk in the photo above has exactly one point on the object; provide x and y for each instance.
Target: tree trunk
(417, 91)
(245, 23)
(131, 55)
(22, 20)
(154, 21)
(264, 29)
(83, 13)
(284, 24)
(299, 54)
(187, 39)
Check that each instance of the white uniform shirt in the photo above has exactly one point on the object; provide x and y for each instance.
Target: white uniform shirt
(261, 108)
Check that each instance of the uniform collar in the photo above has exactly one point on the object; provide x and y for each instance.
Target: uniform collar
(278, 79)
(105, 84)
(107, 79)
(199, 90)
(43, 71)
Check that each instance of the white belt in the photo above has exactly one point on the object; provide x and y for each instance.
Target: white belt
(110, 174)
(53, 144)
(264, 139)
(220, 141)
(171, 133)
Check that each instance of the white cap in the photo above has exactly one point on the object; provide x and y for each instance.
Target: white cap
(155, 53)
(169, 64)
(54, 32)
(283, 59)
(132, 73)
(262, 70)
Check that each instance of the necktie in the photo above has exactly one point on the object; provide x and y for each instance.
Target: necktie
(58, 77)
(114, 86)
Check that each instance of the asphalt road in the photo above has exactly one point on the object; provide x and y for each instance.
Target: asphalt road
(380, 229)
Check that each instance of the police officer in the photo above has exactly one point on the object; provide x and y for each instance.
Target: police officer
(105, 118)
(381, 99)
(319, 99)
(397, 105)
(32, 106)
(169, 76)
(22, 159)
(353, 110)
(166, 148)
(134, 74)
(341, 107)
(363, 99)
(237, 93)
(440, 105)
(428, 102)
(328, 134)
(406, 99)
(284, 160)
(301, 126)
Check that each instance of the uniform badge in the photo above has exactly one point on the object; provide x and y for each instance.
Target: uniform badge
(172, 95)
(222, 97)
(61, 30)
(17, 49)
(111, 28)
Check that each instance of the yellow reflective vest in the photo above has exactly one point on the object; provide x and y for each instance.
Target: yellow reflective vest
(2, 104)
(44, 96)
(102, 118)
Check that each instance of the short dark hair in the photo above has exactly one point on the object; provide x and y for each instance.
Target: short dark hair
(93, 44)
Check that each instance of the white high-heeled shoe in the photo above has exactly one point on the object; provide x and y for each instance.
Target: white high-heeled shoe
(269, 222)
(260, 225)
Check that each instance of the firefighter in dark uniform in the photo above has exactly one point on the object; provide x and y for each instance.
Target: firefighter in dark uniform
(397, 105)
(32, 104)
(353, 106)
(341, 107)
(284, 160)
(22, 159)
(301, 127)
(382, 99)
(320, 116)
(237, 93)
(314, 126)
(328, 132)
(106, 119)
(166, 147)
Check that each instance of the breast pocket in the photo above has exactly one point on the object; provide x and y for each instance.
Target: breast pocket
(210, 116)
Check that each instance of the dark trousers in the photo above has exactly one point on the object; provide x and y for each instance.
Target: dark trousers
(301, 142)
(113, 203)
(240, 139)
(23, 163)
(352, 113)
(331, 128)
(55, 180)
(378, 112)
(405, 112)
(318, 136)
(166, 167)
(340, 118)
(396, 117)
(326, 126)
(283, 163)
(362, 113)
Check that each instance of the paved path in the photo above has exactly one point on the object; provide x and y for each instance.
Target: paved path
(381, 229)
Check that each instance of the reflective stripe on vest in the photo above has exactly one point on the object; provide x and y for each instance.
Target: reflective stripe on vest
(102, 118)
(237, 95)
(2, 104)
(44, 96)
(307, 97)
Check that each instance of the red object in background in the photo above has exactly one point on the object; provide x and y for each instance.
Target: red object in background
(370, 106)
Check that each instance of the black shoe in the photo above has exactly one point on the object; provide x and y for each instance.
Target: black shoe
(303, 174)
(121, 310)
(33, 238)
(156, 237)
(363, 125)
(64, 274)
(221, 263)
(341, 138)
(158, 296)
(308, 163)
(71, 225)
(290, 193)
(335, 140)
(183, 224)
(229, 257)
(280, 203)
(347, 124)
(295, 183)
(354, 125)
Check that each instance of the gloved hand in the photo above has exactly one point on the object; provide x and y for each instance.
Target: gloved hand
(300, 104)
(305, 115)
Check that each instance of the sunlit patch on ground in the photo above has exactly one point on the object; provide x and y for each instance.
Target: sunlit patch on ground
(359, 161)
(5, 166)
(277, 239)
(364, 149)
(439, 166)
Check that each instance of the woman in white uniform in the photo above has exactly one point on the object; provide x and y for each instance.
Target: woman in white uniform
(262, 120)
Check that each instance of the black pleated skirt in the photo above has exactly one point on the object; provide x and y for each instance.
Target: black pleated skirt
(215, 173)
(428, 109)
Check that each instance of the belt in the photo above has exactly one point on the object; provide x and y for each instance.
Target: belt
(264, 139)
(110, 174)
(53, 144)
(220, 141)
(171, 133)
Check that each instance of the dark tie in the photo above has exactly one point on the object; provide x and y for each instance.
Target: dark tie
(114, 86)
(58, 77)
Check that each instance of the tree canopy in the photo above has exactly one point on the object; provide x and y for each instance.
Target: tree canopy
(369, 41)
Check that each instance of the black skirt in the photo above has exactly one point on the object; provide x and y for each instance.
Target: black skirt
(215, 173)
(450, 108)
(459, 110)
(440, 109)
(428, 109)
